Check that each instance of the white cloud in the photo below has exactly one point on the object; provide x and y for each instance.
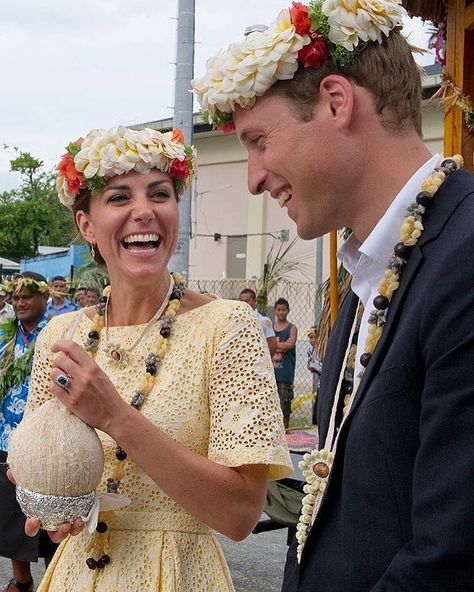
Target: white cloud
(73, 66)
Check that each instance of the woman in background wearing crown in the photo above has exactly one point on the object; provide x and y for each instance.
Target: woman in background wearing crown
(179, 384)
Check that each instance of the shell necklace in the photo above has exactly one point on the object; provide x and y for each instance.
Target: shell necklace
(98, 547)
(316, 466)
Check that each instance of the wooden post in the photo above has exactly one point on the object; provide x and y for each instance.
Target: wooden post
(333, 297)
(459, 48)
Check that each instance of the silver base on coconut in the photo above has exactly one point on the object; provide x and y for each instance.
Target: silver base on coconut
(53, 510)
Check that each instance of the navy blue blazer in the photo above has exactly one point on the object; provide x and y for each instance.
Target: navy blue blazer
(398, 514)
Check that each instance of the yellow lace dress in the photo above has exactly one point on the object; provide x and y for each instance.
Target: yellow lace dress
(215, 393)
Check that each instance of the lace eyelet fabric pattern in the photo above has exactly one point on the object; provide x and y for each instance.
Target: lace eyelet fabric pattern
(215, 393)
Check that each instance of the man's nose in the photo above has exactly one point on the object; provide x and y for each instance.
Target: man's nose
(257, 176)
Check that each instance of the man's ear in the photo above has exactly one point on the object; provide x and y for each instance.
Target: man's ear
(86, 228)
(336, 93)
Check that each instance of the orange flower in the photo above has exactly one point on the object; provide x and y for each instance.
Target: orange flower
(300, 18)
(74, 179)
(177, 135)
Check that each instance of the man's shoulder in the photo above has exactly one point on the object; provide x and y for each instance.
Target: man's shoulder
(265, 321)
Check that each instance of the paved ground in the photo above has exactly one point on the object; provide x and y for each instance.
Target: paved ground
(256, 564)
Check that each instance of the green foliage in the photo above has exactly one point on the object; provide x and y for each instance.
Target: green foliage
(31, 214)
(89, 275)
(13, 372)
(278, 266)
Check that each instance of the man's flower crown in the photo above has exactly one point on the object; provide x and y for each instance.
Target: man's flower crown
(29, 284)
(90, 162)
(307, 35)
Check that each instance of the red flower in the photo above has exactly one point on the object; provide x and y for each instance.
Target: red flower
(300, 18)
(227, 128)
(74, 179)
(313, 54)
(180, 168)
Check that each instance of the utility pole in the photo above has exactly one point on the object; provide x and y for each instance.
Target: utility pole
(183, 118)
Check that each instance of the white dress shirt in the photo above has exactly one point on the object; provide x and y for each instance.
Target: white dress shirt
(367, 261)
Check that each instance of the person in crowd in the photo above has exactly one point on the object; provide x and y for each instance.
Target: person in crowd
(327, 103)
(92, 295)
(314, 364)
(248, 295)
(29, 294)
(284, 358)
(6, 309)
(80, 297)
(178, 384)
(58, 303)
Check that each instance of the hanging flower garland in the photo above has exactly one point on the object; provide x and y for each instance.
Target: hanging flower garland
(316, 466)
(98, 546)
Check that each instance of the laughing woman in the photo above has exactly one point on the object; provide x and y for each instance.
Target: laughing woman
(194, 446)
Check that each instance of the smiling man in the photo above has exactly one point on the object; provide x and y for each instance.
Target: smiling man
(29, 294)
(327, 103)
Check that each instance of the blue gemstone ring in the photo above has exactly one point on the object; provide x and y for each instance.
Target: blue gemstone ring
(63, 380)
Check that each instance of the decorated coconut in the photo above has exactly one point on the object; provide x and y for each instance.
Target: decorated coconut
(57, 462)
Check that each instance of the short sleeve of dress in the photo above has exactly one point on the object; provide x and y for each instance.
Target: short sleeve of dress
(246, 422)
(55, 330)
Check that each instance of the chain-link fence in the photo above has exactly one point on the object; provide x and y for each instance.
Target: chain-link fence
(303, 301)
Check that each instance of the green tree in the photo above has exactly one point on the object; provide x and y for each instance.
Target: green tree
(31, 214)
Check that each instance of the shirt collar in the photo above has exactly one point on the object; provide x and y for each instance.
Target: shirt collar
(378, 246)
(41, 325)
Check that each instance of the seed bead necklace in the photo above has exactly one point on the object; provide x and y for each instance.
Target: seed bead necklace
(316, 465)
(98, 547)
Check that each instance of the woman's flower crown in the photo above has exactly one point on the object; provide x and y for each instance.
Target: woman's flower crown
(29, 284)
(307, 35)
(90, 162)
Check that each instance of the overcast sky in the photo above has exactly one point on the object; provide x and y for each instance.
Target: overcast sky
(69, 66)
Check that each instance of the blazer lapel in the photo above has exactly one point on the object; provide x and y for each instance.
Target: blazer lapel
(333, 361)
(452, 192)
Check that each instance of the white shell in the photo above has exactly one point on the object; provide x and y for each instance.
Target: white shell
(53, 452)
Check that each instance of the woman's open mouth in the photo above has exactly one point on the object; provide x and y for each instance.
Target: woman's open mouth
(141, 243)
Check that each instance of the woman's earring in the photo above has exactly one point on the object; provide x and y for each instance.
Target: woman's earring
(92, 251)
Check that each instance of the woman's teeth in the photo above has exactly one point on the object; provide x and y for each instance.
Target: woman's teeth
(283, 198)
(141, 242)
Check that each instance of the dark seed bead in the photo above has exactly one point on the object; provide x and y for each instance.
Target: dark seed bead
(365, 358)
(100, 564)
(450, 165)
(120, 454)
(103, 300)
(165, 332)
(401, 250)
(94, 335)
(91, 563)
(175, 295)
(151, 369)
(101, 527)
(381, 302)
(105, 559)
(423, 198)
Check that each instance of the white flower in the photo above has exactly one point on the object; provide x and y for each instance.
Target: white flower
(65, 197)
(352, 21)
(246, 70)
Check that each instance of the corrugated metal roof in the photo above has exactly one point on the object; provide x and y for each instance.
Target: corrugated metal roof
(433, 10)
(9, 264)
